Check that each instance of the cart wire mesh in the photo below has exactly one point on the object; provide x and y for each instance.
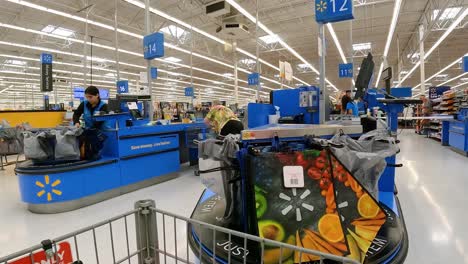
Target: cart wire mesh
(147, 235)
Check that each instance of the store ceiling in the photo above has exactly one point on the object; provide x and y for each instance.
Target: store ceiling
(293, 21)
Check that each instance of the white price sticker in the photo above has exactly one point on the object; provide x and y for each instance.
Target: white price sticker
(293, 176)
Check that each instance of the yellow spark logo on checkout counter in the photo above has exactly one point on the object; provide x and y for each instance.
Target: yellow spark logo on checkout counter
(46, 183)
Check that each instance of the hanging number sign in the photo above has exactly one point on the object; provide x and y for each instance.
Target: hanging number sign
(327, 11)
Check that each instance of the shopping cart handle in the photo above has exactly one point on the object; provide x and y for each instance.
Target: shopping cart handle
(395, 165)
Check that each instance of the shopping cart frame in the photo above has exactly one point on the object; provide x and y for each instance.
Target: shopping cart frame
(148, 240)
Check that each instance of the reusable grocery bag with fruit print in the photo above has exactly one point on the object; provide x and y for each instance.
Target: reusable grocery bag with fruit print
(312, 217)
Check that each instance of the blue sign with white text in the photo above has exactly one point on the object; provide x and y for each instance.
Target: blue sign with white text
(153, 46)
(122, 87)
(465, 64)
(46, 58)
(327, 11)
(154, 73)
(253, 78)
(189, 91)
(345, 70)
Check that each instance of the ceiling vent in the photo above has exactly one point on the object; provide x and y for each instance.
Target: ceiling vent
(218, 8)
(234, 30)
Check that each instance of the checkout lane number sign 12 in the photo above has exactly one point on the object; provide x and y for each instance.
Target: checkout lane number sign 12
(327, 11)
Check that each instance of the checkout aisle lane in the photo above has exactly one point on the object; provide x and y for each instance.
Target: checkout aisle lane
(432, 191)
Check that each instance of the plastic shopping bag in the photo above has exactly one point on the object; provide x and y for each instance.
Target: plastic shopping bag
(365, 157)
(67, 146)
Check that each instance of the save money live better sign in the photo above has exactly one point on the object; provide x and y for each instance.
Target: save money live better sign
(63, 256)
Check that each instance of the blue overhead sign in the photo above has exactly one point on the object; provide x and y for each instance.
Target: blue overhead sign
(253, 78)
(154, 73)
(345, 70)
(153, 46)
(189, 92)
(327, 11)
(122, 87)
(465, 64)
(46, 58)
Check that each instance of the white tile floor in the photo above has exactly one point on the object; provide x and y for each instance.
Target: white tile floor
(431, 188)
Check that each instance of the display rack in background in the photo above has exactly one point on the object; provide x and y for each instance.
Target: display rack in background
(442, 102)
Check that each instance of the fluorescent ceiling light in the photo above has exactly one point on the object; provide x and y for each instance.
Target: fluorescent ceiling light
(442, 76)
(247, 61)
(110, 74)
(442, 38)
(228, 74)
(413, 55)
(337, 42)
(304, 66)
(15, 62)
(269, 32)
(270, 39)
(141, 5)
(391, 31)
(362, 46)
(403, 72)
(448, 13)
(174, 31)
(454, 78)
(277, 75)
(58, 31)
(464, 79)
(172, 59)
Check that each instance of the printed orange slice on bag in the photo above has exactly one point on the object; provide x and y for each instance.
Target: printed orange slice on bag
(329, 227)
(367, 207)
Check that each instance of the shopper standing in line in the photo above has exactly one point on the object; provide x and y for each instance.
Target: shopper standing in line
(88, 108)
(345, 100)
(223, 120)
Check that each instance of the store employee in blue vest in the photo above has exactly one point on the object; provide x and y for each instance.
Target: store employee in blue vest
(89, 107)
(352, 108)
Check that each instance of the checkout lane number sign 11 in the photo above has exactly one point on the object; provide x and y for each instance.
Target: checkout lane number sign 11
(327, 11)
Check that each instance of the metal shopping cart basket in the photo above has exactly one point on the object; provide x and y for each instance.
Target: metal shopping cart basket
(144, 235)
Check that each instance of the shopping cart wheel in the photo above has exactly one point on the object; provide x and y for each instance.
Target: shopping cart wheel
(196, 172)
(77, 262)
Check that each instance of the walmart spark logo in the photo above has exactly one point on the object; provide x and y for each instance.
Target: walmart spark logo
(322, 6)
(45, 188)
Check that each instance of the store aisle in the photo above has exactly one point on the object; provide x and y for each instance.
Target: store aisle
(432, 191)
(431, 188)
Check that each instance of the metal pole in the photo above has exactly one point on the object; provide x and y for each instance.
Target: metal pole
(257, 52)
(352, 52)
(116, 39)
(421, 59)
(399, 60)
(323, 88)
(85, 49)
(146, 232)
(148, 62)
(91, 63)
(191, 54)
(236, 75)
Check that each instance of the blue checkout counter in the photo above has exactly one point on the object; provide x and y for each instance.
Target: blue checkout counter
(132, 158)
(455, 132)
